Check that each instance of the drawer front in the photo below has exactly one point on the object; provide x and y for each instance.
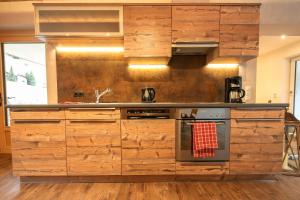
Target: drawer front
(253, 167)
(93, 147)
(190, 168)
(93, 113)
(38, 149)
(257, 113)
(148, 147)
(38, 114)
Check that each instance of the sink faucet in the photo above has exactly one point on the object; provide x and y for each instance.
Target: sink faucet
(100, 94)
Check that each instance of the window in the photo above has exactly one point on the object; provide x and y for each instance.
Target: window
(297, 90)
(25, 73)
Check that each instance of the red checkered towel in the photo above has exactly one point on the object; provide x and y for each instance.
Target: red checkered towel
(205, 140)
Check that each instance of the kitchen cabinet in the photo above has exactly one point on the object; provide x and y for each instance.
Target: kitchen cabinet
(147, 31)
(239, 31)
(38, 143)
(195, 23)
(256, 141)
(78, 20)
(93, 142)
(148, 147)
(239, 34)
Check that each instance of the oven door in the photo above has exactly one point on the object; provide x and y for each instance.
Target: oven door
(184, 140)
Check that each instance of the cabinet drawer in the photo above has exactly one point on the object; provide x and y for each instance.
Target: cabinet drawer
(38, 114)
(190, 168)
(258, 113)
(38, 149)
(148, 169)
(93, 113)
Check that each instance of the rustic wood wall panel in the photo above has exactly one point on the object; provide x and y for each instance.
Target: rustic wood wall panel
(147, 31)
(148, 147)
(187, 80)
(195, 23)
(239, 31)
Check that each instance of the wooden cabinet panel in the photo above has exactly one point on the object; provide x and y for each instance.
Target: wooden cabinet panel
(256, 144)
(258, 113)
(239, 14)
(239, 31)
(148, 147)
(195, 23)
(93, 147)
(109, 114)
(192, 168)
(39, 114)
(38, 148)
(147, 31)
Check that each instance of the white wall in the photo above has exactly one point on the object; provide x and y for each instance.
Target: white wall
(248, 72)
(273, 74)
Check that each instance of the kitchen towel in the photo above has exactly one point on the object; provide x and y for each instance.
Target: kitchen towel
(205, 141)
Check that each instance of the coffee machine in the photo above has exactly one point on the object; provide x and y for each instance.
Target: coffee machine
(233, 90)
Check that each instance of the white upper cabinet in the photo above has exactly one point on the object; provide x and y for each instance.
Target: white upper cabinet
(94, 21)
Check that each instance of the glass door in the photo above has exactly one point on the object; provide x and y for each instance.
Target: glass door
(297, 90)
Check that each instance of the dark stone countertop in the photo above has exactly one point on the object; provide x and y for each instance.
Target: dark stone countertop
(152, 105)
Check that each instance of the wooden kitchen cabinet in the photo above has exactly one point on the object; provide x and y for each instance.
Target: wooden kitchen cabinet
(93, 142)
(147, 31)
(148, 147)
(195, 23)
(202, 168)
(239, 31)
(256, 143)
(38, 143)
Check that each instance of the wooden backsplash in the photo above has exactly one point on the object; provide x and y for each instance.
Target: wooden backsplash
(185, 80)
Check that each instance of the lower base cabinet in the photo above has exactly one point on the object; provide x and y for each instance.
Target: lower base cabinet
(148, 147)
(93, 147)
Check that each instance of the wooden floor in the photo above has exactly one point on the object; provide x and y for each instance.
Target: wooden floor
(286, 188)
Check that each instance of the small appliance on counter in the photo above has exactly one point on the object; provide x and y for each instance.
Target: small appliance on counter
(233, 90)
(148, 95)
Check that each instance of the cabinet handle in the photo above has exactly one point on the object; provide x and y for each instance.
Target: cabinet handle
(259, 119)
(93, 121)
(35, 121)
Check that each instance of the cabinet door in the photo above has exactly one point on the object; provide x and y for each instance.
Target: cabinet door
(147, 31)
(93, 147)
(256, 146)
(239, 31)
(38, 147)
(148, 147)
(195, 23)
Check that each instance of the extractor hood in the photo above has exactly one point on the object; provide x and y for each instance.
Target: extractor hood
(192, 48)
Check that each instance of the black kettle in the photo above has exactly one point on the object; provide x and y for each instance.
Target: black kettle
(148, 95)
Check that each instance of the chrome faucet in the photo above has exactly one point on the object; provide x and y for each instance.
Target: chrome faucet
(100, 94)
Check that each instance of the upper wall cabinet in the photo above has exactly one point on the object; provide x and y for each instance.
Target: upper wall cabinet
(96, 21)
(195, 23)
(239, 31)
(147, 31)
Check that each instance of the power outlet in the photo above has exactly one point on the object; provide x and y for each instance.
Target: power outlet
(78, 94)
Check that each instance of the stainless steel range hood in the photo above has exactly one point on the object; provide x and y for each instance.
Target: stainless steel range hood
(192, 48)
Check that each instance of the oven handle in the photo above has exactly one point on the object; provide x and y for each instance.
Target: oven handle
(217, 123)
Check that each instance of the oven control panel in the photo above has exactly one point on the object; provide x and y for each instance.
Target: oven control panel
(204, 113)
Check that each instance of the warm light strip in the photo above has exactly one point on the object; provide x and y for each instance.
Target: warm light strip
(147, 66)
(91, 49)
(216, 66)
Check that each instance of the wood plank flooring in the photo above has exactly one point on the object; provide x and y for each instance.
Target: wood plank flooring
(286, 188)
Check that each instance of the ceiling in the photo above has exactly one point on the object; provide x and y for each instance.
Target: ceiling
(271, 43)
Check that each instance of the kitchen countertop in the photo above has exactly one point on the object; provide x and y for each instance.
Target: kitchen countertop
(153, 105)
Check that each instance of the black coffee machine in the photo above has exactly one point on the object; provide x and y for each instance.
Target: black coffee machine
(233, 90)
(148, 95)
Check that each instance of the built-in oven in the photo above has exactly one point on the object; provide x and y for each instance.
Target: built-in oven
(186, 117)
